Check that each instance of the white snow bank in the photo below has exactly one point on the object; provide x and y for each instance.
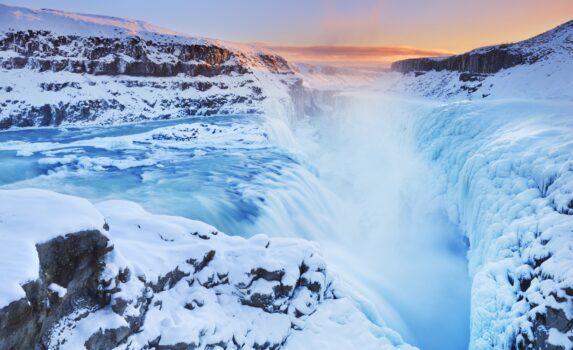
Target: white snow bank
(69, 23)
(547, 76)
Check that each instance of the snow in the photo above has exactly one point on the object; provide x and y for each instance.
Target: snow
(69, 23)
(547, 76)
(141, 98)
(559, 339)
(29, 217)
(208, 304)
(344, 330)
(499, 162)
(506, 155)
(122, 99)
(59, 290)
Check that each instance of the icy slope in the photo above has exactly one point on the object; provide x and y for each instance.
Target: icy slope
(61, 68)
(492, 59)
(114, 276)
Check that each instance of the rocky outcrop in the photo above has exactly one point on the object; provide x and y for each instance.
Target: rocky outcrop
(72, 286)
(70, 268)
(132, 56)
(147, 281)
(491, 61)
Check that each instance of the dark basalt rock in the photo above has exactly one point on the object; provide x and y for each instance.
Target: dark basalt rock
(107, 339)
(107, 56)
(490, 62)
(73, 262)
(76, 262)
(43, 51)
(91, 110)
(124, 56)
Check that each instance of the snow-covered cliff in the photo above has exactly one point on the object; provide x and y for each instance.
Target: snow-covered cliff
(502, 139)
(62, 68)
(113, 276)
(538, 68)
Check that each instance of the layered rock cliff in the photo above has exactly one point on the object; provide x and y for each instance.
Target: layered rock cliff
(65, 68)
(537, 68)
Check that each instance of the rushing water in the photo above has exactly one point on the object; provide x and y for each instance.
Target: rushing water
(353, 183)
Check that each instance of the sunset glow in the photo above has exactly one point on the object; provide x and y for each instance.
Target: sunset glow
(337, 30)
(343, 54)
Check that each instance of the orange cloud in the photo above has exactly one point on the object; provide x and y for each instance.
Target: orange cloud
(350, 53)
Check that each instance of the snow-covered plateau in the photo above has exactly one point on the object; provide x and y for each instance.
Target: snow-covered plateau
(430, 205)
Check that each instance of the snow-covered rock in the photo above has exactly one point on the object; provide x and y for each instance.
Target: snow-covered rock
(113, 276)
(62, 68)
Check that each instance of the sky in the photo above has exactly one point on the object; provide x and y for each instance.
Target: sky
(341, 30)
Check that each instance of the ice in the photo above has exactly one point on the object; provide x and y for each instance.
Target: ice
(426, 193)
(507, 170)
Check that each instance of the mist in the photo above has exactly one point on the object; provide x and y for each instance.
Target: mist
(390, 236)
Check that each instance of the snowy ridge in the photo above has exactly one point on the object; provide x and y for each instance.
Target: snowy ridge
(543, 71)
(539, 47)
(468, 73)
(169, 282)
(69, 23)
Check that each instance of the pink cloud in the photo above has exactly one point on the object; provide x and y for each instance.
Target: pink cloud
(350, 53)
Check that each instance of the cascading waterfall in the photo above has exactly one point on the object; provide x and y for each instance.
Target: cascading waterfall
(376, 209)
(350, 180)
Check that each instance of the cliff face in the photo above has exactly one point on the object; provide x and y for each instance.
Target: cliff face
(492, 59)
(73, 262)
(132, 56)
(489, 62)
(55, 71)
